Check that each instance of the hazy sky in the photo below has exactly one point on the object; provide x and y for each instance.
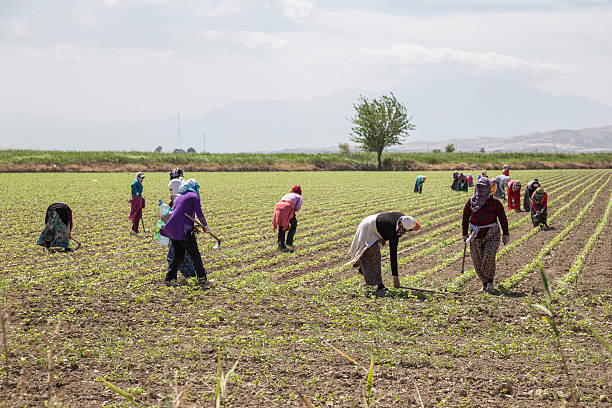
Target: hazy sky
(109, 59)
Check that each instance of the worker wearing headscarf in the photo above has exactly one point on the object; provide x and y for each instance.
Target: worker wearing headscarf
(375, 230)
(514, 195)
(187, 268)
(455, 181)
(418, 185)
(137, 202)
(470, 180)
(481, 175)
(539, 208)
(506, 170)
(284, 217)
(462, 184)
(530, 188)
(501, 182)
(180, 230)
(480, 227)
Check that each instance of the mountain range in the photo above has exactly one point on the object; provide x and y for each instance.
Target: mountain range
(487, 110)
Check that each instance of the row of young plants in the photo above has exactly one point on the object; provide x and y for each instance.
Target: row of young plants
(323, 274)
(520, 275)
(348, 283)
(567, 282)
(315, 241)
(459, 282)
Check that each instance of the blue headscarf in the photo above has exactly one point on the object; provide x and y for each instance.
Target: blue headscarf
(189, 185)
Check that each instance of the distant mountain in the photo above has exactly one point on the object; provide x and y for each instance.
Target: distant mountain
(563, 141)
(597, 139)
(444, 110)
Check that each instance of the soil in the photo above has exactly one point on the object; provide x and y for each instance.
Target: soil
(118, 323)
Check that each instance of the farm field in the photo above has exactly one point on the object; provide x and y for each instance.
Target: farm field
(300, 326)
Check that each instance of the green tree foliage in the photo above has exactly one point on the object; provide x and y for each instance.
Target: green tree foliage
(344, 148)
(449, 148)
(191, 150)
(379, 123)
(158, 149)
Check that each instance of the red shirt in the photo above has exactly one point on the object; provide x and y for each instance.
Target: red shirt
(506, 173)
(541, 204)
(492, 211)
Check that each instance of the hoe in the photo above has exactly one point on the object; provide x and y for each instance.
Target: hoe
(218, 244)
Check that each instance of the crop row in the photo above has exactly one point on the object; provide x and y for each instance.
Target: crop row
(518, 276)
(325, 273)
(459, 282)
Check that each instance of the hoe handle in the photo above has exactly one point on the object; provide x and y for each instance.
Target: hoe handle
(200, 224)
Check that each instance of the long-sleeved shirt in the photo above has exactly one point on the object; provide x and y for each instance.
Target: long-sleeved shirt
(136, 188)
(536, 206)
(178, 226)
(491, 212)
(386, 225)
(295, 199)
(506, 172)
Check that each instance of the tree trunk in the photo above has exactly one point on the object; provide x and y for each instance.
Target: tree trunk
(379, 153)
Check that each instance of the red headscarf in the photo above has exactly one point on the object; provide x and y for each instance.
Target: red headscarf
(297, 189)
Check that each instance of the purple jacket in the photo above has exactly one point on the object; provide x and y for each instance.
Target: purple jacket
(178, 226)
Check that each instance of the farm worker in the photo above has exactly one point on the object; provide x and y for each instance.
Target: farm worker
(418, 185)
(470, 180)
(530, 188)
(284, 217)
(365, 249)
(462, 184)
(58, 227)
(480, 228)
(455, 181)
(137, 201)
(187, 268)
(514, 195)
(501, 182)
(539, 208)
(506, 171)
(481, 175)
(180, 230)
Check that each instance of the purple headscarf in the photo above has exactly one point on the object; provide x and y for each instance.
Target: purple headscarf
(481, 195)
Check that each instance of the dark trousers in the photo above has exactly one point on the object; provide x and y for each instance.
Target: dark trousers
(290, 234)
(189, 245)
(418, 188)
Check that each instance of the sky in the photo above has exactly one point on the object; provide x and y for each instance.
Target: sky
(149, 59)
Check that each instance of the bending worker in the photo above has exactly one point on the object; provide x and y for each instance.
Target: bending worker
(375, 230)
(284, 217)
(530, 188)
(481, 214)
(418, 185)
(539, 208)
(514, 195)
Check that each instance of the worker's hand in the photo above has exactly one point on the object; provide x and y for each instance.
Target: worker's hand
(506, 239)
(206, 229)
(396, 282)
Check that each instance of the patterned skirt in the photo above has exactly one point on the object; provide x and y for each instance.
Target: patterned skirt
(370, 265)
(55, 234)
(483, 251)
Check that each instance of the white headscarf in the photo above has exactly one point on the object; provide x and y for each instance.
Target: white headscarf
(174, 185)
(408, 222)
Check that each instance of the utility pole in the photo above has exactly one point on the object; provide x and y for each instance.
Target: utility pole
(553, 142)
(204, 142)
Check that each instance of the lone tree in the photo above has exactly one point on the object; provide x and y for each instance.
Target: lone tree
(379, 123)
(449, 148)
